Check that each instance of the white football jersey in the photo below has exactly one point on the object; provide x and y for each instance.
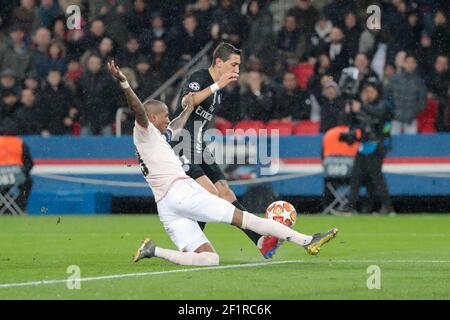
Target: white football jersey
(159, 164)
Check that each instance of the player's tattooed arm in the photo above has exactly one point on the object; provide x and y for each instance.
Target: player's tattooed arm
(188, 106)
(133, 101)
(224, 80)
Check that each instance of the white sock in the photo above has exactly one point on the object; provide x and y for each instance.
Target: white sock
(188, 258)
(268, 227)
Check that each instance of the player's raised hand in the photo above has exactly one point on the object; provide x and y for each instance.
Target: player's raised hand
(227, 78)
(115, 71)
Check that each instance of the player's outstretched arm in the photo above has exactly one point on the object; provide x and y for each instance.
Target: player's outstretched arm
(188, 106)
(133, 101)
(224, 80)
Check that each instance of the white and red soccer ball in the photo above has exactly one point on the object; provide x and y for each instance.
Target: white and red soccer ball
(282, 212)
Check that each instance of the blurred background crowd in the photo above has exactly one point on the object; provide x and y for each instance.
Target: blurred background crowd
(53, 80)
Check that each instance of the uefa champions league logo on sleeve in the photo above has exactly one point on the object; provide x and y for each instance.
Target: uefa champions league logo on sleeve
(194, 86)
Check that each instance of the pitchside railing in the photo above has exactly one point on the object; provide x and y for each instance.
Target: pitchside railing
(161, 91)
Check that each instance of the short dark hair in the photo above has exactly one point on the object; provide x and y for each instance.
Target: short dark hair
(410, 55)
(224, 51)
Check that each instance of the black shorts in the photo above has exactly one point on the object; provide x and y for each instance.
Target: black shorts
(212, 171)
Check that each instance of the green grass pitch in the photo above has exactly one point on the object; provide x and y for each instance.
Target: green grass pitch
(412, 252)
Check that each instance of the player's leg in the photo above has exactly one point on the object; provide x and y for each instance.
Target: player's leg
(267, 245)
(194, 249)
(190, 200)
(268, 227)
(210, 187)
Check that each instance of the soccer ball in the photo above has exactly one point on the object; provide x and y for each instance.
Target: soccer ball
(282, 212)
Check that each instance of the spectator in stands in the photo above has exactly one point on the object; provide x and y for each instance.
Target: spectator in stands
(321, 71)
(32, 82)
(338, 52)
(156, 31)
(365, 71)
(137, 19)
(291, 102)
(291, 42)
(26, 16)
(438, 78)
(204, 11)
(425, 54)
(352, 32)
(255, 98)
(320, 38)
(336, 10)
(76, 44)
(441, 33)
(59, 29)
(130, 53)
(114, 15)
(57, 100)
(15, 54)
(48, 11)
(73, 74)
(190, 40)
(413, 32)
(228, 21)
(259, 40)
(55, 58)
(29, 115)
(160, 59)
(95, 35)
(306, 16)
(443, 116)
(407, 91)
(8, 81)
(97, 97)
(147, 82)
(42, 38)
(105, 50)
(331, 106)
(8, 108)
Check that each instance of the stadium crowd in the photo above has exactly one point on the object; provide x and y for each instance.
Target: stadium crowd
(53, 80)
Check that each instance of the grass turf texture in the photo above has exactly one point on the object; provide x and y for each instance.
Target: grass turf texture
(39, 248)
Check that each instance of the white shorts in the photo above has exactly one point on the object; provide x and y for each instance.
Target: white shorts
(183, 206)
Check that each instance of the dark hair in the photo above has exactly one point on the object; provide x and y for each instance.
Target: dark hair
(410, 55)
(224, 51)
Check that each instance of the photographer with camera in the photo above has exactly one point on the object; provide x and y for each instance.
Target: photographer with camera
(369, 119)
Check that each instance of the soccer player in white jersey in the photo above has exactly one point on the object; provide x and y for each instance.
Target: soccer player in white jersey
(181, 201)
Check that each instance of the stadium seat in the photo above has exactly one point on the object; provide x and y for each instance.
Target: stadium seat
(427, 118)
(246, 125)
(303, 71)
(284, 127)
(222, 125)
(307, 127)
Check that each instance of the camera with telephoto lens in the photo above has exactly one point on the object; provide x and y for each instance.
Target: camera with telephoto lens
(349, 82)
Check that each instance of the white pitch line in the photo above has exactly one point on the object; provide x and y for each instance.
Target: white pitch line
(230, 266)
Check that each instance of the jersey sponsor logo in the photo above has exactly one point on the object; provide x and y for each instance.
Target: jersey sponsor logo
(203, 113)
(194, 86)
